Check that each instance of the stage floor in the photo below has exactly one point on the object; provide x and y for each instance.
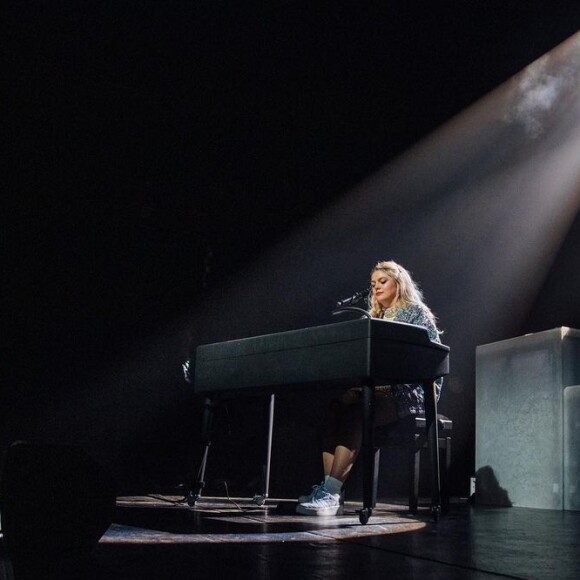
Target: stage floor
(158, 537)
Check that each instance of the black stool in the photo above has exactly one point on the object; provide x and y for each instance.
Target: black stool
(410, 434)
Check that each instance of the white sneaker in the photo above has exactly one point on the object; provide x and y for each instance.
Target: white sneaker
(308, 498)
(323, 503)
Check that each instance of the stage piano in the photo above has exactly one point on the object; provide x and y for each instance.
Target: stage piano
(355, 353)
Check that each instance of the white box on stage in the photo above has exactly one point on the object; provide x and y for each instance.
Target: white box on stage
(527, 412)
(572, 448)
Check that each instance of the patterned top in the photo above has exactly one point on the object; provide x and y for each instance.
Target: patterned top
(410, 398)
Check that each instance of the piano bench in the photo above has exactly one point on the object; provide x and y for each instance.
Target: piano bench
(410, 434)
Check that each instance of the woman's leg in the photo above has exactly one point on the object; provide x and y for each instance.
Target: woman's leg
(343, 443)
(336, 424)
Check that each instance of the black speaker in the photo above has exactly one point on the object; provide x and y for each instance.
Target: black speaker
(56, 501)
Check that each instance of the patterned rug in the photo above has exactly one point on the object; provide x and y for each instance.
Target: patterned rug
(154, 520)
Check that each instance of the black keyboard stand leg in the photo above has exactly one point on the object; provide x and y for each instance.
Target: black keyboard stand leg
(368, 452)
(433, 445)
(196, 487)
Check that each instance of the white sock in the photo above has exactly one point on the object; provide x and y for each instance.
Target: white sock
(332, 485)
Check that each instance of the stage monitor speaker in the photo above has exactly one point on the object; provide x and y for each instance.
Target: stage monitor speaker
(56, 501)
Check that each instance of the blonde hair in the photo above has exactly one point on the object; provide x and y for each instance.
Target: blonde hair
(408, 292)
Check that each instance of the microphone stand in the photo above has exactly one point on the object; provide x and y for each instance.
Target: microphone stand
(342, 309)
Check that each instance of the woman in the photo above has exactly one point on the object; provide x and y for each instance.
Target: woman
(393, 296)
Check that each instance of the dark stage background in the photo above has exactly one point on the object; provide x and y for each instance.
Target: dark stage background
(172, 170)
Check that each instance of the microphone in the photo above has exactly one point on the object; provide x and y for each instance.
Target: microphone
(354, 298)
